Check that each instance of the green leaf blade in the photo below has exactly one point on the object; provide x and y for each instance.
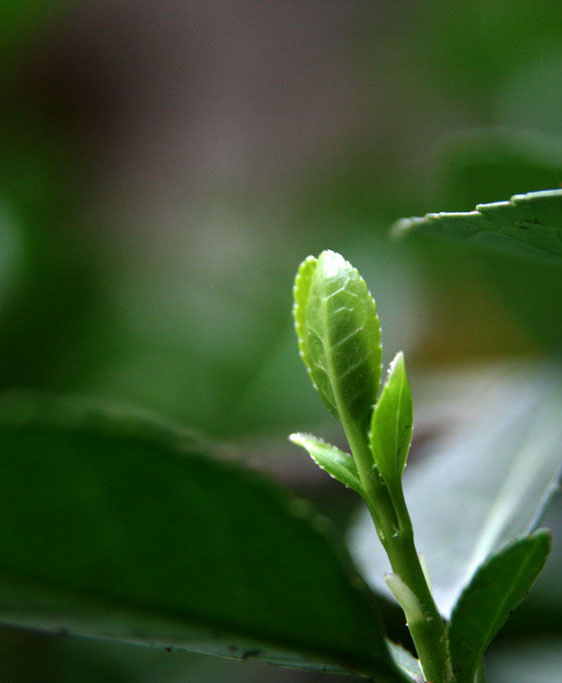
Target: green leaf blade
(343, 339)
(114, 527)
(494, 592)
(336, 463)
(392, 423)
(528, 225)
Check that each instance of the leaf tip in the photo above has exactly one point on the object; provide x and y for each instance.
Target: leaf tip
(296, 438)
(332, 263)
(402, 227)
(397, 362)
(543, 537)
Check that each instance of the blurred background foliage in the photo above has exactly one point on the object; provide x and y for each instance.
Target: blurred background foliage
(164, 167)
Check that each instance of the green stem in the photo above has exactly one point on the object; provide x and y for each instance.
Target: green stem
(395, 531)
(425, 623)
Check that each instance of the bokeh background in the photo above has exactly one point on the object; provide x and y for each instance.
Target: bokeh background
(164, 168)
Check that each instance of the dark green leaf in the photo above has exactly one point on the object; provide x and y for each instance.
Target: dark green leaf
(528, 225)
(339, 336)
(336, 463)
(494, 592)
(119, 527)
(20, 23)
(479, 165)
(392, 423)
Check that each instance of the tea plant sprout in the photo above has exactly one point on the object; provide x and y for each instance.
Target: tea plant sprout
(339, 341)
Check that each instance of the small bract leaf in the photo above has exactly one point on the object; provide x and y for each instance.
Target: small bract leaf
(392, 423)
(339, 334)
(494, 592)
(528, 225)
(336, 463)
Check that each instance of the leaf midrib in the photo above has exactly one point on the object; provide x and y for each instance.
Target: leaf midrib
(328, 350)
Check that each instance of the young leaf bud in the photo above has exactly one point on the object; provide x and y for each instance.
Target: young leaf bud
(339, 336)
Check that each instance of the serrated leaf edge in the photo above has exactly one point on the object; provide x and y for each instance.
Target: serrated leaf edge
(406, 225)
(352, 480)
(301, 290)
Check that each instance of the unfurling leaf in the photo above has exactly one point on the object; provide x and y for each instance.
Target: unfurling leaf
(392, 423)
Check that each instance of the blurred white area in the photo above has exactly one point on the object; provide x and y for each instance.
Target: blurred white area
(526, 661)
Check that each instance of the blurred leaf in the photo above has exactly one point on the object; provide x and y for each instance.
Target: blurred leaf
(486, 603)
(119, 527)
(336, 463)
(20, 13)
(483, 166)
(20, 22)
(541, 613)
(485, 480)
(472, 45)
(531, 96)
(528, 225)
(64, 660)
(54, 285)
(531, 292)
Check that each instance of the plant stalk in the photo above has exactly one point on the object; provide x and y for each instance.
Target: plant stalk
(394, 528)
